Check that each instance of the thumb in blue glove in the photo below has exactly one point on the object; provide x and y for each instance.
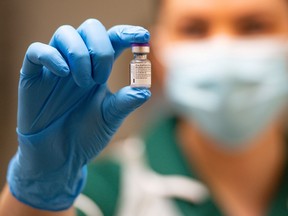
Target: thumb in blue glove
(66, 113)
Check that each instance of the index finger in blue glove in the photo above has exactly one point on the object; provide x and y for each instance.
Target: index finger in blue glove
(67, 40)
(122, 36)
(39, 55)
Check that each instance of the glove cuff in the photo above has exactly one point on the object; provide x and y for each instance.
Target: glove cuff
(55, 192)
(43, 176)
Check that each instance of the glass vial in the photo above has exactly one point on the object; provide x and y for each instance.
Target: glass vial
(140, 66)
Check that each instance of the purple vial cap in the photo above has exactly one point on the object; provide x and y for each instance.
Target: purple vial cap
(140, 44)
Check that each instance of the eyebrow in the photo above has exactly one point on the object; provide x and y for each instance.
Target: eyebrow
(260, 17)
(257, 14)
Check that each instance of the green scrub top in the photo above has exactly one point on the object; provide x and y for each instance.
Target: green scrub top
(165, 157)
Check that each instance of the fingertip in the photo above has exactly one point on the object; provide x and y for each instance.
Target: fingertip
(55, 62)
(82, 77)
(143, 93)
(142, 36)
(65, 71)
(147, 36)
(60, 67)
(134, 97)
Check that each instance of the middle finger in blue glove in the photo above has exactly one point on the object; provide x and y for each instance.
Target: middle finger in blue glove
(67, 40)
(100, 49)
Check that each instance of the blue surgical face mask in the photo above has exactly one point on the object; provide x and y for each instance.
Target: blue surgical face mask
(231, 89)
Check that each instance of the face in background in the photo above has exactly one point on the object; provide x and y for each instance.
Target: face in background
(195, 21)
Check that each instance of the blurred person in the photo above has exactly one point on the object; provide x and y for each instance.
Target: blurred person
(223, 68)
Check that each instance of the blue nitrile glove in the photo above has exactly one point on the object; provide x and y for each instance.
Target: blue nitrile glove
(66, 113)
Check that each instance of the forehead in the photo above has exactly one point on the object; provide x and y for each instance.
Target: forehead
(220, 6)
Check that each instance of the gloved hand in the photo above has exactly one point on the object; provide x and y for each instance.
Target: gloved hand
(66, 113)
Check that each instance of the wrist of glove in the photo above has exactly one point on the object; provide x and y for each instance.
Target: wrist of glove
(38, 181)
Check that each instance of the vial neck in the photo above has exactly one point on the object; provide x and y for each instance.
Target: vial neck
(140, 56)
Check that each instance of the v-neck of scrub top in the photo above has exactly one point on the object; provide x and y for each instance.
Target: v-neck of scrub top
(165, 157)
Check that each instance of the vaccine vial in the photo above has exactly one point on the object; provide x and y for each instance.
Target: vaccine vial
(140, 66)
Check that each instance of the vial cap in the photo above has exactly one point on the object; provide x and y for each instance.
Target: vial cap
(140, 48)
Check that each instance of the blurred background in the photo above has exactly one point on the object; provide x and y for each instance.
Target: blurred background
(24, 22)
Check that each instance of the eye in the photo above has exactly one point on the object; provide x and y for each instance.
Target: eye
(194, 29)
(252, 26)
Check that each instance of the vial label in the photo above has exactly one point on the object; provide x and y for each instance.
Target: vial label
(140, 74)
